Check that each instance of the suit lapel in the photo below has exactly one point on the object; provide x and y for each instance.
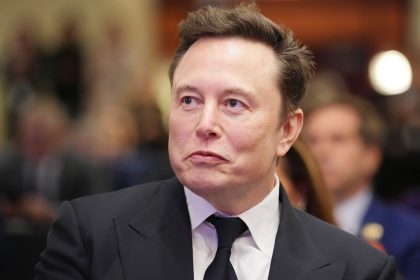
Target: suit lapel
(156, 244)
(295, 255)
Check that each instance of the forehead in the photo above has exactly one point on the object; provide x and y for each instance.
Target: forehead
(218, 53)
(216, 66)
(333, 118)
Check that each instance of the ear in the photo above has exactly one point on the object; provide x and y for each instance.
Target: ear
(289, 131)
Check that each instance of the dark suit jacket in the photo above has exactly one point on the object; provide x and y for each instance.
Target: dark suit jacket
(74, 177)
(144, 232)
(401, 235)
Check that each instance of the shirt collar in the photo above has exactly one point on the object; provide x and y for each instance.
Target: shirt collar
(199, 208)
(262, 220)
(349, 213)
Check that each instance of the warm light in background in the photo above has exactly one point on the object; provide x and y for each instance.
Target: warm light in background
(390, 73)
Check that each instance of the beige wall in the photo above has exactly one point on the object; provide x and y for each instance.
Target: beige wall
(137, 16)
(414, 24)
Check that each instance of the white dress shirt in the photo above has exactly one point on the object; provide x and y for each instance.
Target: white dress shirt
(349, 213)
(252, 251)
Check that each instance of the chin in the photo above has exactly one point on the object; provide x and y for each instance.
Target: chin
(202, 183)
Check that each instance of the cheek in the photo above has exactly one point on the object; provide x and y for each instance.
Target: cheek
(241, 136)
(354, 155)
(177, 135)
(342, 154)
(178, 126)
(349, 162)
(254, 140)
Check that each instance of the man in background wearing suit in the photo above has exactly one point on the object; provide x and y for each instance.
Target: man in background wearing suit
(237, 79)
(346, 135)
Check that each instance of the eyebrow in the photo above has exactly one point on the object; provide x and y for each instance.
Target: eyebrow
(233, 90)
(183, 88)
(239, 91)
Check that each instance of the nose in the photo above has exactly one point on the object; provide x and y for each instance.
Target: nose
(209, 124)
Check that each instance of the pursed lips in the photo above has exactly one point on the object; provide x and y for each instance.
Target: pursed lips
(206, 156)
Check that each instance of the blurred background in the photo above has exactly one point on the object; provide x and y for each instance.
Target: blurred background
(84, 96)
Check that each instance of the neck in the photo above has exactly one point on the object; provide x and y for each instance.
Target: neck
(235, 203)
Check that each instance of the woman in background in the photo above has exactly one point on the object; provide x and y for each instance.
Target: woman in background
(302, 179)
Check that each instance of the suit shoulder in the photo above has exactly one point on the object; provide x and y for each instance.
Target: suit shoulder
(400, 225)
(397, 215)
(125, 200)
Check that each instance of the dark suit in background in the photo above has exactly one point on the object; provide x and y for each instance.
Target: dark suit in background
(24, 238)
(399, 236)
(72, 179)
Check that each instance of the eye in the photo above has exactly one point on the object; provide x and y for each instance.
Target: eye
(187, 100)
(234, 103)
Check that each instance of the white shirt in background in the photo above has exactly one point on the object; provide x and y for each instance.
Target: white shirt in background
(349, 213)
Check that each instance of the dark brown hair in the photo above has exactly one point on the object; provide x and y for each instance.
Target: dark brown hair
(245, 21)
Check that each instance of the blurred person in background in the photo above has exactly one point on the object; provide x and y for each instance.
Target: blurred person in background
(346, 135)
(304, 183)
(67, 65)
(127, 142)
(149, 160)
(111, 67)
(105, 134)
(24, 72)
(36, 173)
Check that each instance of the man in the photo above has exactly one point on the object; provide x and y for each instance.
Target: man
(36, 173)
(236, 81)
(346, 135)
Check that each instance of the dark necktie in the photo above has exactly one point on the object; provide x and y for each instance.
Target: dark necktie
(228, 229)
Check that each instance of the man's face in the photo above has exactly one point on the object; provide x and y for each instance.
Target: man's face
(332, 133)
(224, 125)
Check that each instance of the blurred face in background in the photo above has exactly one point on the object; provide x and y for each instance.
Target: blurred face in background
(41, 130)
(347, 163)
(224, 125)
